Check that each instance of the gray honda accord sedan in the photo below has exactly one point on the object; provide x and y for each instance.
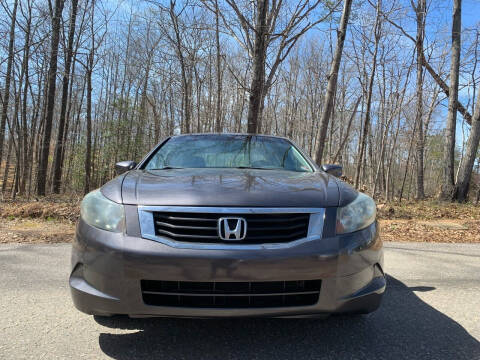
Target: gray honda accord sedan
(227, 225)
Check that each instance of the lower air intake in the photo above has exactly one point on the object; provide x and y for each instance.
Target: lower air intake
(260, 294)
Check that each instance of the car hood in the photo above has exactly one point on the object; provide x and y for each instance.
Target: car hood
(228, 187)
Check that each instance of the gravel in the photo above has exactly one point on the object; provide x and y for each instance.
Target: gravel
(430, 311)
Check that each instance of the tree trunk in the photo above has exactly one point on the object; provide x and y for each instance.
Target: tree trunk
(383, 145)
(347, 131)
(389, 188)
(8, 76)
(89, 70)
(7, 165)
(366, 126)
(88, 155)
(52, 74)
(332, 80)
(24, 140)
(258, 80)
(57, 162)
(449, 151)
(420, 13)
(466, 168)
(218, 113)
(183, 66)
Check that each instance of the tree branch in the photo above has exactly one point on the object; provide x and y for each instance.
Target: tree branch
(466, 115)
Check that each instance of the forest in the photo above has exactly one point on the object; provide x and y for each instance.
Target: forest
(389, 89)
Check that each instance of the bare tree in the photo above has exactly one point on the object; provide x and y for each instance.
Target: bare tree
(363, 141)
(445, 88)
(96, 39)
(8, 75)
(57, 162)
(258, 77)
(267, 32)
(52, 77)
(23, 157)
(218, 112)
(183, 58)
(420, 9)
(465, 172)
(88, 150)
(332, 80)
(126, 93)
(448, 183)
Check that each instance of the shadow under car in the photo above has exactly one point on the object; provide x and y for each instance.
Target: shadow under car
(405, 327)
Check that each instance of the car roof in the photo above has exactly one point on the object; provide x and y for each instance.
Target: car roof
(230, 134)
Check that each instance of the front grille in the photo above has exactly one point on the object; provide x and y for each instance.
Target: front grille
(202, 227)
(260, 294)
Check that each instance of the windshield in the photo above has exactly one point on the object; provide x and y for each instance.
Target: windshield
(228, 151)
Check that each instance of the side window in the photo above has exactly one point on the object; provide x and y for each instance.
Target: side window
(295, 161)
(156, 162)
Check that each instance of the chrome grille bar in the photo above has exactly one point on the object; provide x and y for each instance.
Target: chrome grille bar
(195, 227)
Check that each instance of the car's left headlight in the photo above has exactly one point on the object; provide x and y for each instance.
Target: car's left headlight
(357, 215)
(96, 210)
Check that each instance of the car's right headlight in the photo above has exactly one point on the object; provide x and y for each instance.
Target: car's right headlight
(357, 215)
(96, 210)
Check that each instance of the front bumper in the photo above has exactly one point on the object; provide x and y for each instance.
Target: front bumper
(107, 269)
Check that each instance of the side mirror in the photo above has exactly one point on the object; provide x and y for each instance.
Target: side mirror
(124, 166)
(332, 169)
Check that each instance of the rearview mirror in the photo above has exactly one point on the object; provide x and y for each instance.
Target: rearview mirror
(124, 166)
(332, 169)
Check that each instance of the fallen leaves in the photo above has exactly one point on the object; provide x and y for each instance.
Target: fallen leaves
(428, 210)
(36, 231)
(44, 209)
(450, 231)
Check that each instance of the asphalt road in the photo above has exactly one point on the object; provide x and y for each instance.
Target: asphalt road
(431, 311)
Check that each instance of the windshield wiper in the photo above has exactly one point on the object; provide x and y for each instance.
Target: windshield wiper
(256, 168)
(168, 168)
